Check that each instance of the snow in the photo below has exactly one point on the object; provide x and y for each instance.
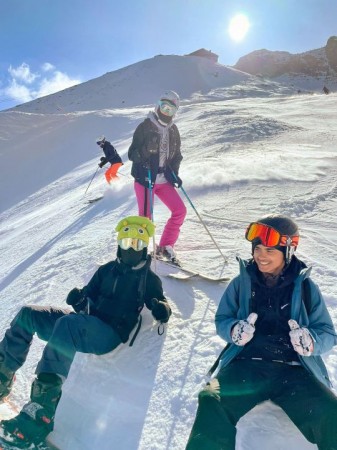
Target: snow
(250, 147)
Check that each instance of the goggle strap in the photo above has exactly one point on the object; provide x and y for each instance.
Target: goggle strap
(265, 232)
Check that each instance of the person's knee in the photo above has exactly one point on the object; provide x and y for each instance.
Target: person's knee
(69, 321)
(183, 211)
(210, 392)
(180, 213)
(23, 317)
(26, 311)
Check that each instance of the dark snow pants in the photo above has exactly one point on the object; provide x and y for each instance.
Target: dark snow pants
(245, 383)
(66, 333)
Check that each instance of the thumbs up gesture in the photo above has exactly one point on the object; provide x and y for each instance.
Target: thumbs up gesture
(243, 331)
(301, 339)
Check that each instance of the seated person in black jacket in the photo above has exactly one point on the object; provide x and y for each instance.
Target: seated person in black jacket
(106, 311)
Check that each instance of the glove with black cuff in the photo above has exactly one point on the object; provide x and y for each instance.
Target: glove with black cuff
(161, 310)
(77, 299)
(103, 161)
(175, 180)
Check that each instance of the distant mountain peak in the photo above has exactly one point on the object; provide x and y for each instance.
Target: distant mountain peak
(319, 62)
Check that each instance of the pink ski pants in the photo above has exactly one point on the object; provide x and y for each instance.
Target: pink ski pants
(170, 197)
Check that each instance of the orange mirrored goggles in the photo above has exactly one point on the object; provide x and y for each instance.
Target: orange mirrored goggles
(268, 236)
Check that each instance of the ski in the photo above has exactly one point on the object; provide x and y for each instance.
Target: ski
(183, 273)
(94, 200)
(89, 203)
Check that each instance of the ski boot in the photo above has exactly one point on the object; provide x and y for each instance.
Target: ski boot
(167, 253)
(36, 419)
(7, 378)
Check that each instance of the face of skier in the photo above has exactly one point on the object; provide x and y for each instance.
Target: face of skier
(167, 108)
(133, 239)
(132, 249)
(131, 257)
(269, 260)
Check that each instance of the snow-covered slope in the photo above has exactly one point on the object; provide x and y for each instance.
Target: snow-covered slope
(243, 157)
(66, 124)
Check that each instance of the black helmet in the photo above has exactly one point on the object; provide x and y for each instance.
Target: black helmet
(283, 224)
(286, 227)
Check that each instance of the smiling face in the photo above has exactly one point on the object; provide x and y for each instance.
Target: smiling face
(268, 259)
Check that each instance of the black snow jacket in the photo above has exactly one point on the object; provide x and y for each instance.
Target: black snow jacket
(114, 294)
(143, 160)
(111, 153)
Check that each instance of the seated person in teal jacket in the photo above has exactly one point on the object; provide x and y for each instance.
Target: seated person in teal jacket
(276, 325)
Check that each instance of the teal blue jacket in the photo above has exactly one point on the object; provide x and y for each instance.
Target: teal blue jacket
(234, 306)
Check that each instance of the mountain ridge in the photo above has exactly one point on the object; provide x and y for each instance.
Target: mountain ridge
(141, 83)
(320, 62)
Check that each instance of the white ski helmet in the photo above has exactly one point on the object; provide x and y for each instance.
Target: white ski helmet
(172, 97)
(100, 140)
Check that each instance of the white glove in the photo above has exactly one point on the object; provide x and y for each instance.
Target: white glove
(301, 339)
(243, 331)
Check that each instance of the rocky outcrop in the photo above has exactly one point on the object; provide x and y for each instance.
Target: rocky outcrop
(320, 62)
(331, 52)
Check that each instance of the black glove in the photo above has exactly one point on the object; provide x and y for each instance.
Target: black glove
(146, 164)
(173, 179)
(77, 299)
(178, 182)
(151, 144)
(161, 310)
(103, 161)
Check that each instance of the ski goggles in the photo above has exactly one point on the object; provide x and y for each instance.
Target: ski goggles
(136, 244)
(167, 108)
(268, 236)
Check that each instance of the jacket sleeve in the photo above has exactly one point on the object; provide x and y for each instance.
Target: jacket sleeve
(154, 289)
(135, 153)
(92, 289)
(177, 158)
(111, 153)
(320, 324)
(227, 314)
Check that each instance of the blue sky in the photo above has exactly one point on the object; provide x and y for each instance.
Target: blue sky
(48, 45)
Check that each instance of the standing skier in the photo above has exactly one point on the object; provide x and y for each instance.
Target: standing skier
(106, 311)
(277, 326)
(155, 153)
(111, 156)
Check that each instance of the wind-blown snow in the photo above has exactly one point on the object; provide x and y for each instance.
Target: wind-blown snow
(244, 155)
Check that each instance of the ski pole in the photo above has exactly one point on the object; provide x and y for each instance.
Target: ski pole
(151, 214)
(199, 217)
(91, 181)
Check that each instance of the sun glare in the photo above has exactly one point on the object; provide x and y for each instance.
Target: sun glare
(238, 27)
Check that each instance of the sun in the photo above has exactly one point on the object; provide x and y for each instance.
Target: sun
(238, 27)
